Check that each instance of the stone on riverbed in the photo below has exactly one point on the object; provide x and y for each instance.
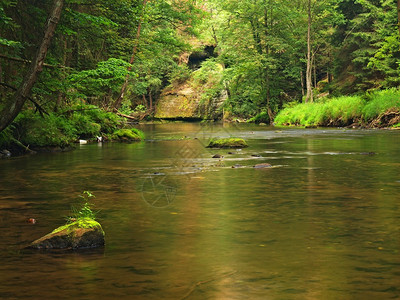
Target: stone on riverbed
(83, 233)
(262, 166)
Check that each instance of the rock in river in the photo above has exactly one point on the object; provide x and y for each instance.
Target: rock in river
(227, 143)
(83, 233)
(262, 166)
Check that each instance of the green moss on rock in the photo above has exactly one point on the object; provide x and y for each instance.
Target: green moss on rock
(85, 223)
(227, 143)
(128, 135)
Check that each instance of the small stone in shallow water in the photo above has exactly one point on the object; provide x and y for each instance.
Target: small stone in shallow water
(218, 156)
(262, 166)
(367, 153)
(256, 155)
(237, 166)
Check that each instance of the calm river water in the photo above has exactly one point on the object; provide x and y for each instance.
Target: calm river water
(322, 223)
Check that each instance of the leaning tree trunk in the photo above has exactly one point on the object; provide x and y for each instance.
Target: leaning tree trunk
(309, 96)
(15, 104)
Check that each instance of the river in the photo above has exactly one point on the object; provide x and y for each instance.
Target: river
(322, 223)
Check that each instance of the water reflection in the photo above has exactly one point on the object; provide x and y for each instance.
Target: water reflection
(322, 225)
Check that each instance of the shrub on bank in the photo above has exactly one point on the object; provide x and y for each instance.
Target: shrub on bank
(60, 129)
(262, 117)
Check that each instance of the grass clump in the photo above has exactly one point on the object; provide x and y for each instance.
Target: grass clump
(227, 143)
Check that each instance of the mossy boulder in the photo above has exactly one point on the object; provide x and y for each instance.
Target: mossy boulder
(227, 143)
(83, 233)
(128, 135)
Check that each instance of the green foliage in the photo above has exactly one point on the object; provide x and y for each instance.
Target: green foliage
(108, 121)
(140, 108)
(84, 125)
(103, 81)
(262, 117)
(179, 74)
(6, 137)
(34, 130)
(64, 128)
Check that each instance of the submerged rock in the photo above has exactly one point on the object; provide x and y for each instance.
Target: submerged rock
(5, 154)
(227, 143)
(218, 156)
(237, 166)
(262, 166)
(83, 233)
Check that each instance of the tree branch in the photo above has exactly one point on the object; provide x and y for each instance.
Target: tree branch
(38, 107)
(25, 61)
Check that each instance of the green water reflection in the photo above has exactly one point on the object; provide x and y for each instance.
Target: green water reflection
(322, 223)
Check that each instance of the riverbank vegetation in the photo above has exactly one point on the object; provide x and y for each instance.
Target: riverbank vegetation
(377, 109)
(247, 59)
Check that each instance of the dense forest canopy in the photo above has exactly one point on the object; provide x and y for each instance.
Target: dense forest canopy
(121, 54)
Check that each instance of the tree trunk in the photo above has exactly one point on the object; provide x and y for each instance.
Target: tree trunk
(15, 104)
(134, 50)
(302, 83)
(314, 70)
(398, 15)
(151, 100)
(309, 96)
(267, 28)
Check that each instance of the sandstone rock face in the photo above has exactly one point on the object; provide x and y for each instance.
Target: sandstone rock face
(179, 103)
(192, 100)
(83, 233)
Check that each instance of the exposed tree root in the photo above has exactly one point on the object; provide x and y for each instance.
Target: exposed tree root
(389, 118)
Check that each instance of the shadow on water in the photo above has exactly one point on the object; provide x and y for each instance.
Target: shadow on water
(322, 223)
